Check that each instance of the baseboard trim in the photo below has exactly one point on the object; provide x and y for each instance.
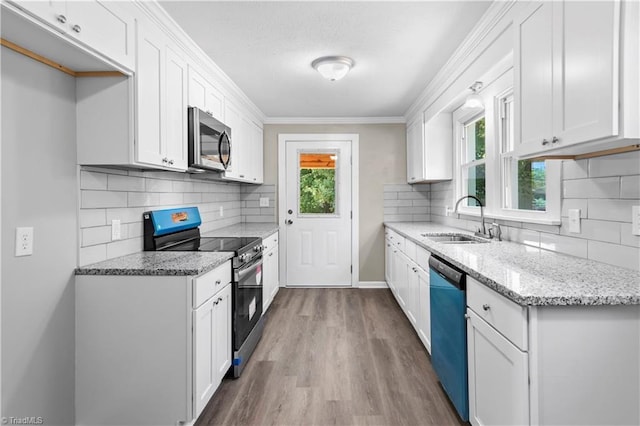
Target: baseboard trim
(372, 284)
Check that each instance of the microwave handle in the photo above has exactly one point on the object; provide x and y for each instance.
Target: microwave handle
(224, 136)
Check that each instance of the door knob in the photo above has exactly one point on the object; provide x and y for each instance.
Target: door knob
(289, 221)
(290, 211)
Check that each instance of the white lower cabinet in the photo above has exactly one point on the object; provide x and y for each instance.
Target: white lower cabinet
(211, 346)
(270, 268)
(498, 376)
(150, 349)
(406, 273)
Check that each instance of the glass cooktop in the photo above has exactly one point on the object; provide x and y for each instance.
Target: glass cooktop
(215, 244)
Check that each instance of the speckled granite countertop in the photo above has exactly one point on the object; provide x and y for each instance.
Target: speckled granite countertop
(528, 275)
(262, 230)
(158, 263)
(177, 263)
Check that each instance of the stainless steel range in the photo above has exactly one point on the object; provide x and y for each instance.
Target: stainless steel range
(178, 230)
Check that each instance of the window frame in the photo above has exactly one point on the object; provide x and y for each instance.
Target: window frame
(496, 181)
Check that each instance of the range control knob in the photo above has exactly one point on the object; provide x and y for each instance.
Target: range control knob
(257, 249)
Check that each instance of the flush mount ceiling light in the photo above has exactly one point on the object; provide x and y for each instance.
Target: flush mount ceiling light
(333, 67)
(474, 100)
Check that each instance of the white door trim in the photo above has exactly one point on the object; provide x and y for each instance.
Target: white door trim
(354, 140)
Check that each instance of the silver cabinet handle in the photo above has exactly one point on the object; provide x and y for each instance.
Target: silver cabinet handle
(165, 160)
(270, 254)
(76, 28)
(170, 162)
(209, 112)
(415, 269)
(218, 282)
(555, 140)
(545, 142)
(289, 222)
(62, 19)
(486, 307)
(242, 176)
(467, 316)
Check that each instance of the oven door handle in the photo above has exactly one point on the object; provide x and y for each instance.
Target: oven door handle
(241, 273)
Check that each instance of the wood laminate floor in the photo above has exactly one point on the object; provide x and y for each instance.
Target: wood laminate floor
(334, 356)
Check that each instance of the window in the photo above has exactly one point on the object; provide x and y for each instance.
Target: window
(488, 167)
(317, 190)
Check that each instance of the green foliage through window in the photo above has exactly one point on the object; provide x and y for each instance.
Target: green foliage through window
(317, 191)
(532, 194)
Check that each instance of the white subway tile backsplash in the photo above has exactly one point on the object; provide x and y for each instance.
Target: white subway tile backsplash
(170, 198)
(182, 186)
(402, 187)
(92, 217)
(614, 254)
(599, 230)
(96, 235)
(613, 210)
(563, 244)
(192, 198)
(102, 199)
(592, 188)
(630, 187)
(575, 169)
(626, 237)
(125, 183)
(92, 254)
(158, 185)
(93, 180)
(143, 199)
(582, 204)
(124, 247)
(615, 165)
(413, 195)
(397, 203)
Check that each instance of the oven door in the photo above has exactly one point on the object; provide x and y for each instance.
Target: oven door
(247, 300)
(209, 141)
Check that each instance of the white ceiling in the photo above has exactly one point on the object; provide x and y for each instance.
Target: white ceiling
(267, 48)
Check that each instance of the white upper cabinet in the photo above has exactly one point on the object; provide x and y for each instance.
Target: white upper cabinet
(415, 152)
(429, 149)
(246, 147)
(567, 61)
(204, 95)
(161, 101)
(100, 25)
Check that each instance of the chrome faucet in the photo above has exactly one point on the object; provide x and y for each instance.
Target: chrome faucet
(481, 232)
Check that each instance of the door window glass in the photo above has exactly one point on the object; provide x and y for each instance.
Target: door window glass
(317, 179)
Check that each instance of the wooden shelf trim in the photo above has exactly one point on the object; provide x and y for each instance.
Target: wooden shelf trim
(28, 53)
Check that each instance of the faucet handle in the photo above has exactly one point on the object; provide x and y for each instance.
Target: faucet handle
(497, 231)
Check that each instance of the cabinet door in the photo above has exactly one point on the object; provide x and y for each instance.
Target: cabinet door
(214, 103)
(51, 11)
(149, 86)
(413, 293)
(533, 74)
(585, 102)
(270, 273)
(222, 324)
(400, 277)
(498, 377)
(197, 89)
(388, 263)
(257, 158)
(415, 152)
(424, 315)
(234, 121)
(175, 110)
(102, 26)
(205, 376)
(275, 270)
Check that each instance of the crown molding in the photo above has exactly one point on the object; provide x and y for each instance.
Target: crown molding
(334, 120)
(450, 71)
(155, 11)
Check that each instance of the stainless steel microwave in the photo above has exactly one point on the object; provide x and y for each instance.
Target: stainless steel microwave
(209, 142)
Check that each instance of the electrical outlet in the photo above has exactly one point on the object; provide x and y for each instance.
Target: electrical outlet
(574, 221)
(116, 232)
(635, 220)
(264, 202)
(221, 211)
(24, 241)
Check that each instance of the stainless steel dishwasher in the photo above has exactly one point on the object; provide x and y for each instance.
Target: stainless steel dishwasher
(449, 331)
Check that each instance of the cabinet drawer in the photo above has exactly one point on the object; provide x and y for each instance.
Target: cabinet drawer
(208, 284)
(397, 240)
(270, 242)
(422, 258)
(509, 318)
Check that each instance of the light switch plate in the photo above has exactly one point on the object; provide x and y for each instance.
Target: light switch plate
(24, 241)
(264, 202)
(635, 220)
(574, 221)
(116, 231)
(221, 211)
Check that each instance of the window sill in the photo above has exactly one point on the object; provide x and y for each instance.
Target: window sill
(540, 221)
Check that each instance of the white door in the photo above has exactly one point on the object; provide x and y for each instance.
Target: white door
(317, 212)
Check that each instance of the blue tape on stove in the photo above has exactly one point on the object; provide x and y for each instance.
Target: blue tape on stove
(237, 361)
(173, 220)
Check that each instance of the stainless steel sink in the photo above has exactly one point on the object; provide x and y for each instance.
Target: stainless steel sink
(455, 239)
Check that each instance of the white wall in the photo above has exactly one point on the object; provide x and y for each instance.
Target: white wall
(38, 189)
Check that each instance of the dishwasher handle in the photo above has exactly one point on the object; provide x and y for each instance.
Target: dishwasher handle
(449, 272)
